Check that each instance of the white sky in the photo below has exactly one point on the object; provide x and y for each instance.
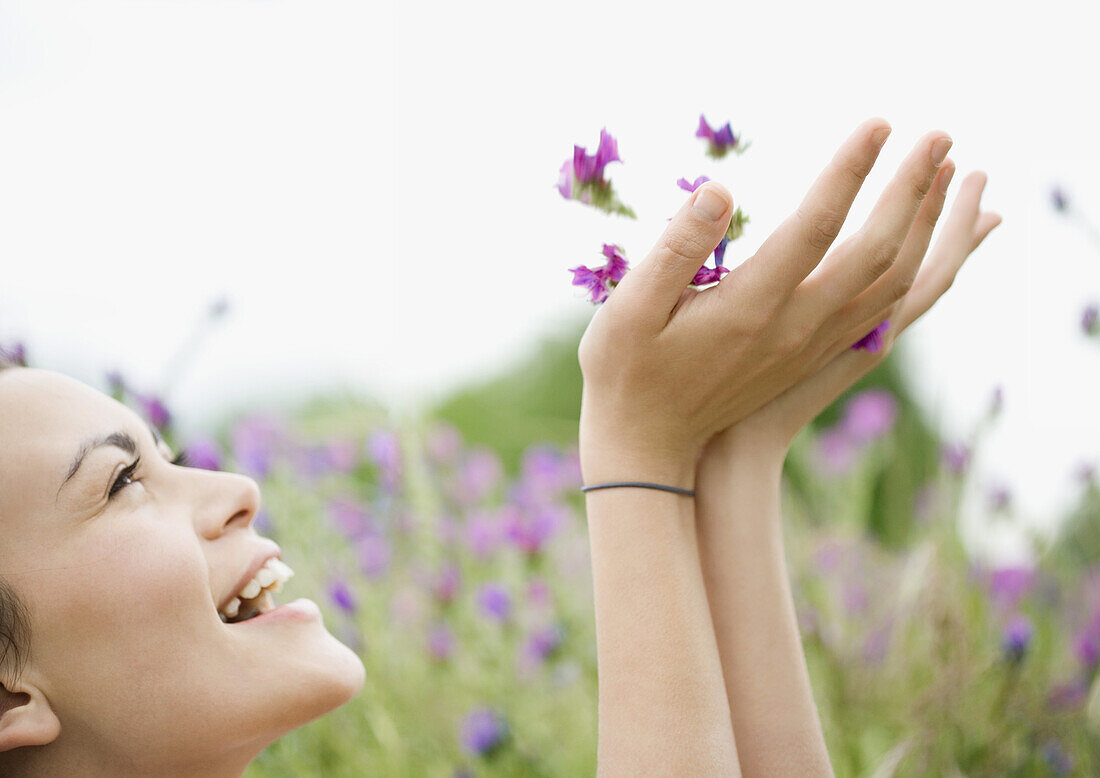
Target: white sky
(371, 184)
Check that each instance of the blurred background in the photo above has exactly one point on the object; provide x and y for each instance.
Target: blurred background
(322, 243)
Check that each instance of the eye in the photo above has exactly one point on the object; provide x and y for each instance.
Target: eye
(125, 478)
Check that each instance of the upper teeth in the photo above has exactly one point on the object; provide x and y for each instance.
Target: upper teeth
(271, 576)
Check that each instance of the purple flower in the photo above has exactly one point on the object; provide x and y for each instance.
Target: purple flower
(542, 643)
(1008, 585)
(348, 516)
(708, 275)
(869, 415)
(588, 168)
(1017, 638)
(538, 593)
(1068, 696)
(998, 497)
(1059, 762)
(956, 457)
(1090, 320)
(374, 554)
(494, 601)
(478, 475)
(384, 449)
(719, 141)
(342, 596)
(446, 581)
(617, 265)
(1086, 646)
(583, 177)
(599, 281)
(530, 530)
(688, 186)
(720, 252)
(1058, 199)
(154, 410)
(997, 402)
(876, 645)
(835, 451)
(483, 732)
(483, 533)
(441, 641)
(872, 341)
(444, 443)
(14, 354)
(204, 454)
(256, 441)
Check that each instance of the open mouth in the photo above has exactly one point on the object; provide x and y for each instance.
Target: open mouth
(255, 597)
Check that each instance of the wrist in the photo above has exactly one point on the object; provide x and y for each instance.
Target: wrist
(746, 448)
(608, 456)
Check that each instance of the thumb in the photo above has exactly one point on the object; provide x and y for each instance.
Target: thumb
(655, 285)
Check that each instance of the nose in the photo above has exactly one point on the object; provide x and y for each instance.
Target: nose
(229, 499)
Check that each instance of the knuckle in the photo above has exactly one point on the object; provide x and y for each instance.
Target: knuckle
(683, 245)
(919, 186)
(880, 257)
(822, 228)
(856, 171)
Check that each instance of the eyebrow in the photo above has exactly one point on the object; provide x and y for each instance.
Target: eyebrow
(118, 439)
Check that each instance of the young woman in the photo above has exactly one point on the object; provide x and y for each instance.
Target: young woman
(121, 572)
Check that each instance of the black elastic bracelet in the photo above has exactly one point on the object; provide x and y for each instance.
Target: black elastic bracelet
(643, 484)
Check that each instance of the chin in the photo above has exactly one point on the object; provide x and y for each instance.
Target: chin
(334, 674)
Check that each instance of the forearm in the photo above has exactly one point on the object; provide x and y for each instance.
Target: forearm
(741, 549)
(662, 703)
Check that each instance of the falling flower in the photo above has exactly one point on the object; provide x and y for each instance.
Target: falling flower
(483, 732)
(872, 341)
(720, 141)
(582, 178)
(691, 187)
(601, 280)
(1017, 638)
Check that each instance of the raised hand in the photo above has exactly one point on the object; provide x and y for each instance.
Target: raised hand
(832, 366)
(666, 367)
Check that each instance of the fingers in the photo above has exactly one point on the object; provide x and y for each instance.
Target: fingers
(896, 282)
(964, 231)
(796, 247)
(862, 259)
(655, 286)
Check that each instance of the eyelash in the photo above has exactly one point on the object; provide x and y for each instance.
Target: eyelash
(127, 473)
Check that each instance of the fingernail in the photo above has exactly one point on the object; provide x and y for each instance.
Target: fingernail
(708, 204)
(940, 149)
(879, 136)
(945, 179)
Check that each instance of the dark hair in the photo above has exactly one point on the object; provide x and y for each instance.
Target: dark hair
(14, 621)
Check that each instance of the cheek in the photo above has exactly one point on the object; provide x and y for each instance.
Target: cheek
(123, 602)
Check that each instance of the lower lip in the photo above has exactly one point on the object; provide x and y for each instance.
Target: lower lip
(302, 609)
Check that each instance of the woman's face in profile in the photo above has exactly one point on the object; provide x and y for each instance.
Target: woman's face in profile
(122, 589)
